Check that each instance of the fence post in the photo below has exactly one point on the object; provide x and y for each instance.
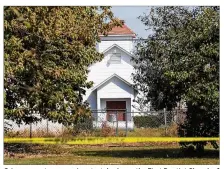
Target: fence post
(126, 123)
(165, 121)
(117, 123)
(30, 130)
(96, 116)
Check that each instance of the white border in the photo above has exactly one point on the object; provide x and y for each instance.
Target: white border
(108, 3)
(111, 3)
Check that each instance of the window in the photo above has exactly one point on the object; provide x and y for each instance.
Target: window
(115, 58)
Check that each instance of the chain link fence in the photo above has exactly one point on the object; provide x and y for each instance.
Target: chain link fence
(104, 123)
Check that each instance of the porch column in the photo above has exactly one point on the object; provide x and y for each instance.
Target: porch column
(98, 101)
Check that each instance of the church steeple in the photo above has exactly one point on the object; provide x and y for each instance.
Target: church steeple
(120, 35)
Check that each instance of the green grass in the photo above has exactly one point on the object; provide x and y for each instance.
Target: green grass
(148, 154)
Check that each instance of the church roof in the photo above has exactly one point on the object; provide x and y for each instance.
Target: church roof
(123, 30)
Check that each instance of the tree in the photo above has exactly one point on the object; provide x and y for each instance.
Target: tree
(47, 51)
(180, 61)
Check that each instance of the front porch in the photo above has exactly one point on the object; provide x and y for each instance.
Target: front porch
(114, 118)
(115, 112)
(113, 97)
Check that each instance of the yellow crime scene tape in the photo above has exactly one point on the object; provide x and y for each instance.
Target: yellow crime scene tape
(107, 140)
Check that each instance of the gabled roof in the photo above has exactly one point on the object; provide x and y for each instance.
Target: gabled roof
(115, 45)
(114, 75)
(124, 30)
(121, 30)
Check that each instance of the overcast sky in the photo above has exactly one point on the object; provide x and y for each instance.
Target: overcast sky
(129, 14)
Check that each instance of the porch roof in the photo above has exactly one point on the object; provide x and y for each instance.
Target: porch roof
(114, 75)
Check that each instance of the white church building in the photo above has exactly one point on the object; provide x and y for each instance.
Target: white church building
(112, 77)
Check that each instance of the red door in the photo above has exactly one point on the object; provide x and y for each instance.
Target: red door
(113, 106)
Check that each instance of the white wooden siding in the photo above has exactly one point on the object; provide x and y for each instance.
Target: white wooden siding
(102, 70)
(91, 97)
(115, 88)
(127, 45)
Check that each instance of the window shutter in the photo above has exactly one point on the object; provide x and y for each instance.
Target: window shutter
(115, 58)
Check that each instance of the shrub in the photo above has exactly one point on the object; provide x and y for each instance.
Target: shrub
(83, 125)
(172, 130)
(153, 120)
(149, 121)
(106, 130)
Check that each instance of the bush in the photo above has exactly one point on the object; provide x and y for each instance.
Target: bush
(83, 125)
(149, 121)
(107, 131)
(153, 120)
